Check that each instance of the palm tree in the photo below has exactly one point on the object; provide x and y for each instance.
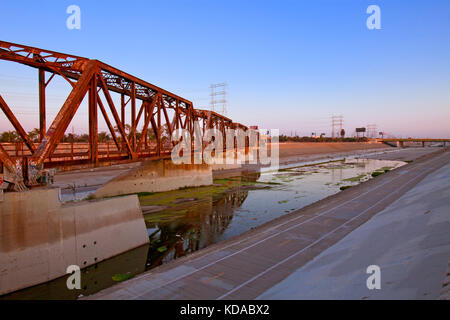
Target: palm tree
(103, 136)
(34, 135)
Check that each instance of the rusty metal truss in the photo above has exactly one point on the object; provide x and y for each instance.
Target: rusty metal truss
(155, 111)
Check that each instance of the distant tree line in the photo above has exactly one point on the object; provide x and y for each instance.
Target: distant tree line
(13, 136)
(284, 138)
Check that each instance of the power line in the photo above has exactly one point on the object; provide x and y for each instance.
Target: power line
(336, 121)
(371, 131)
(218, 98)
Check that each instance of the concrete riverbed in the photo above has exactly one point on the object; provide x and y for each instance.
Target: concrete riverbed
(282, 246)
(409, 240)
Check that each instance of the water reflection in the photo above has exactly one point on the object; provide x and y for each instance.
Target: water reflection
(93, 278)
(195, 218)
(201, 223)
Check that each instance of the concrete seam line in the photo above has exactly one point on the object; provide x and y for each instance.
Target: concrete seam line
(311, 244)
(282, 231)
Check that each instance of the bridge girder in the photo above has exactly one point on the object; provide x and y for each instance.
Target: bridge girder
(97, 78)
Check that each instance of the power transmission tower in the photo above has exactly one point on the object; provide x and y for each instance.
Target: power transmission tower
(336, 121)
(371, 130)
(219, 98)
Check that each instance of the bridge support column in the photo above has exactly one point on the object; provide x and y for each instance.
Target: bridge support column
(423, 144)
(42, 123)
(400, 144)
(42, 237)
(93, 121)
(157, 176)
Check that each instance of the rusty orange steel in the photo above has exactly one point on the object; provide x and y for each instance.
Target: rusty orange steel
(159, 111)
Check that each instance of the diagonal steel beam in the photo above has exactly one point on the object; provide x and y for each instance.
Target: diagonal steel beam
(144, 107)
(62, 120)
(147, 121)
(116, 117)
(6, 159)
(93, 121)
(16, 124)
(108, 122)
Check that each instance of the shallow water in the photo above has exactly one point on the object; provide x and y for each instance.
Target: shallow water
(235, 205)
(183, 221)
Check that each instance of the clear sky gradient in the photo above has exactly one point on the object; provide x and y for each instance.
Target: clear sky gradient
(288, 64)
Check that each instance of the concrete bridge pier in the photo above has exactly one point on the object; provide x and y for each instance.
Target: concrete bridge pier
(400, 144)
(157, 176)
(41, 237)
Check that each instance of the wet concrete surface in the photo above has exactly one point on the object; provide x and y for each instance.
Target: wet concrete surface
(409, 240)
(247, 265)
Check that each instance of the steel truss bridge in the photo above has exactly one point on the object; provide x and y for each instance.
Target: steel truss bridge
(153, 109)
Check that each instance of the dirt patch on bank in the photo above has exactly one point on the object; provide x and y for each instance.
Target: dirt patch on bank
(289, 149)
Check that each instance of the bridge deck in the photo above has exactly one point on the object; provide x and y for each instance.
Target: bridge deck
(246, 266)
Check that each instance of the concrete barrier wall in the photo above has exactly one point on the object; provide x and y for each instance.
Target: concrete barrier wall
(40, 238)
(157, 176)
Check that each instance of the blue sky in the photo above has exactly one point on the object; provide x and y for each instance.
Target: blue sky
(288, 64)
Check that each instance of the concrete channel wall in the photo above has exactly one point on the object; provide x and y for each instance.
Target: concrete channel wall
(157, 176)
(40, 237)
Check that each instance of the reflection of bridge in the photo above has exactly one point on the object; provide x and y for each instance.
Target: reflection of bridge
(202, 225)
(151, 125)
(401, 142)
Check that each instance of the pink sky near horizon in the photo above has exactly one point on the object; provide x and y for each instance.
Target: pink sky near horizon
(302, 117)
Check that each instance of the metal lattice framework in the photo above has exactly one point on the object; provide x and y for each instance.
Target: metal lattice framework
(155, 111)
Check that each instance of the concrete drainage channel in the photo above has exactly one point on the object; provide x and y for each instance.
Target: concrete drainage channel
(44, 236)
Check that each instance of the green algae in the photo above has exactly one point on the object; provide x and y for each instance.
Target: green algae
(162, 249)
(119, 277)
(172, 198)
(181, 202)
(165, 215)
(377, 173)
